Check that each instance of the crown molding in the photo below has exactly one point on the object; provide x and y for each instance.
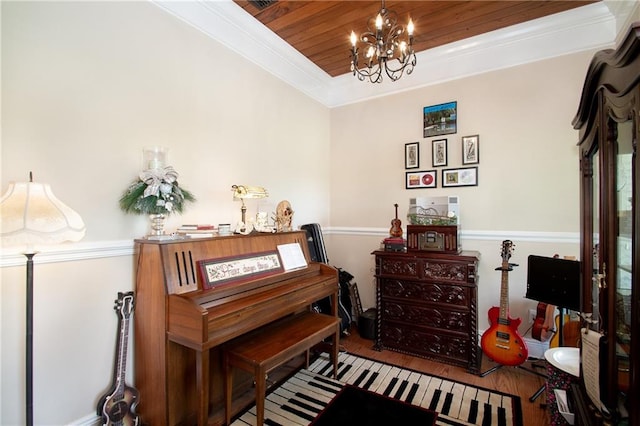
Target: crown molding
(588, 27)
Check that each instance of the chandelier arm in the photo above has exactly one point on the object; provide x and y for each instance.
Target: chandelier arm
(409, 59)
(373, 74)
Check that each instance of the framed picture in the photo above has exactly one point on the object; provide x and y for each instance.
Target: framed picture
(464, 176)
(439, 152)
(471, 149)
(440, 119)
(411, 155)
(425, 179)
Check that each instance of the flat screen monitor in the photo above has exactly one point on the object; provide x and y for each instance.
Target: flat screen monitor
(554, 281)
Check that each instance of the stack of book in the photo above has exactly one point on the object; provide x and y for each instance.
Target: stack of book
(394, 244)
(197, 231)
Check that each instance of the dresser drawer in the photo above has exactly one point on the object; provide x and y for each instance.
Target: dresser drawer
(448, 271)
(405, 267)
(423, 343)
(443, 270)
(414, 315)
(426, 292)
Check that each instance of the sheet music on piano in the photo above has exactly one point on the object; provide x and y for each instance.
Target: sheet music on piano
(292, 256)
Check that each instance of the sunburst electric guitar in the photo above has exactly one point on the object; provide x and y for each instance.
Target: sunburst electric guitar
(117, 407)
(501, 342)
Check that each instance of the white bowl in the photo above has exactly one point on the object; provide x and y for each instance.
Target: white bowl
(565, 359)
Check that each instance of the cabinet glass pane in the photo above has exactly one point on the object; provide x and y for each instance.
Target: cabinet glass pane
(624, 207)
(595, 282)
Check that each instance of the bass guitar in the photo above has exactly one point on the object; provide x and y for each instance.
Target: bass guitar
(501, 342)
(117, 407)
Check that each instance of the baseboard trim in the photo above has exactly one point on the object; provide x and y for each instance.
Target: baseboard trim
(90, 420)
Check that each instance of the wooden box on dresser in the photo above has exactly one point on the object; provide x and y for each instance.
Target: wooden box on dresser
(427, 305)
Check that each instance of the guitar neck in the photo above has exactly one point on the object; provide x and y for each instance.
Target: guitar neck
(123, 342)
(504, 292)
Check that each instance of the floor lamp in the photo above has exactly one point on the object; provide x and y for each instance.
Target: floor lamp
(31, 216)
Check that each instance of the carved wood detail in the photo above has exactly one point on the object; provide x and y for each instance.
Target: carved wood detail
(427, 305)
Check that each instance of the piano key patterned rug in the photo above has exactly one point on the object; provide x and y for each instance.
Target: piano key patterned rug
(301, 398)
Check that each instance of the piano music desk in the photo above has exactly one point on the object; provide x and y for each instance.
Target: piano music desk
(269, 347)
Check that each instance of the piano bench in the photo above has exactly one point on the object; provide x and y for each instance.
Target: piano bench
(266, 348)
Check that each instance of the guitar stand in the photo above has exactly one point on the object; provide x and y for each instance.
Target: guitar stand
(537, 393)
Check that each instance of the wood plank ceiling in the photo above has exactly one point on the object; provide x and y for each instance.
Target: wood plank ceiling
(320, 29)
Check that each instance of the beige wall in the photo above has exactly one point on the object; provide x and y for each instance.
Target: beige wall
(528, 176)
(87, 85)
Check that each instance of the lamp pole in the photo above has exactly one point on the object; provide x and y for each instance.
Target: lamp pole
(29, 344)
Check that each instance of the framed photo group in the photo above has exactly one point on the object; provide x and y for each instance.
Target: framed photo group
(439, 120)
(463, 176)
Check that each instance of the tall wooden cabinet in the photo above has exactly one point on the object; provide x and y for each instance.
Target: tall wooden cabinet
(427, 305)
(608, 124)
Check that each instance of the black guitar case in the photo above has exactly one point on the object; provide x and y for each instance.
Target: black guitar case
(318, 253)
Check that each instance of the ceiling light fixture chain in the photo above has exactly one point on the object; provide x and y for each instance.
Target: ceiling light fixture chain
(385, 43)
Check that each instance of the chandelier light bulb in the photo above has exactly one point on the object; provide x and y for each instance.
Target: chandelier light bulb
(379, 22)
(353, 39)
(410, 27)
(370, 52)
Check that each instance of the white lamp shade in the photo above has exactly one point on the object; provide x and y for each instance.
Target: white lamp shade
(31, 215)
(246, 191)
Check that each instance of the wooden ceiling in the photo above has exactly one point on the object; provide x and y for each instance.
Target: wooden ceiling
(320, 29)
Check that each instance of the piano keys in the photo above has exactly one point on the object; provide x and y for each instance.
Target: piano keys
(305, 395)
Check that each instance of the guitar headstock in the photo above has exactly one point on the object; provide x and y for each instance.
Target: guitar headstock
(124, 304)
(507, 250)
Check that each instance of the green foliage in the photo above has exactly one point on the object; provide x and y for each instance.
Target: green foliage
(421, 219)
(169, 200)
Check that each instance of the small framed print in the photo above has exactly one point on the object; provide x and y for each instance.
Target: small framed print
(464, 176)
(471, 149)
(439, 152)
(425, 179)
(411, 155)
(440, 119)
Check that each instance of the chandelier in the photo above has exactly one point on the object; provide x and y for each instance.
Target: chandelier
(385, 49)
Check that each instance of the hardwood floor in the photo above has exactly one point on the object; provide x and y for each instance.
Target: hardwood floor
(506, 379)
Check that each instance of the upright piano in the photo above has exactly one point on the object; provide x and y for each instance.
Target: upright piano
(181, 319)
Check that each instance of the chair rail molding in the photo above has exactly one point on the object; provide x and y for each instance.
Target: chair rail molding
(105, 249)
(70, 252)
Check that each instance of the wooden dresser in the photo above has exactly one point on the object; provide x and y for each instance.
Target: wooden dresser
(427, 305)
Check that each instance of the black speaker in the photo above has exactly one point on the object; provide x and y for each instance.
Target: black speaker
(367, 324)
